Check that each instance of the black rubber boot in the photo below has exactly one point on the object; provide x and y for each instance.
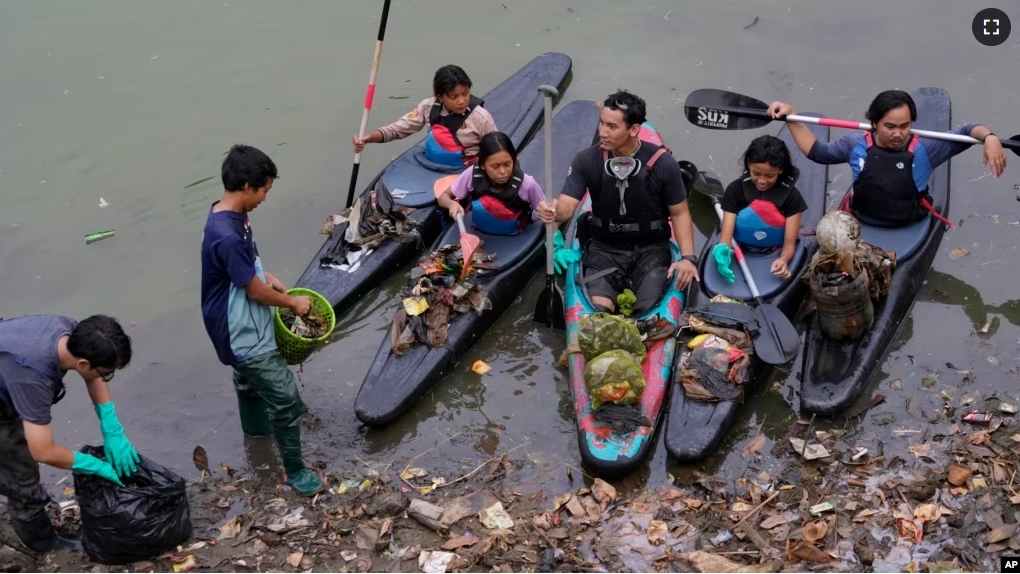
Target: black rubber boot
(38, 535)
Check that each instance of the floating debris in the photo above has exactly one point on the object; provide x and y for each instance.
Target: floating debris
(98, 236)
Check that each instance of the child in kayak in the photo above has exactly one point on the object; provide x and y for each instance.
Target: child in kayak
(502, 196)
(762, 209)
(457, 121)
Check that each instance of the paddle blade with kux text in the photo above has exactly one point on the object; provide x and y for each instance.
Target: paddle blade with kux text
(721, 110)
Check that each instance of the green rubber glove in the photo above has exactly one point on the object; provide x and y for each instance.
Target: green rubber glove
(563, 256)
(122, 456)
(723, 256)
(88, 464)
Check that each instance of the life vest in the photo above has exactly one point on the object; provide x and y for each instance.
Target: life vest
(502, 211)
(761, 226)
(441, 144)
(884, 193)
(643, 218)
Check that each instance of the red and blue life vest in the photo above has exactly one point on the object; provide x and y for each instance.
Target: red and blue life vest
(498, 211)
(761, 226)
(441, 144)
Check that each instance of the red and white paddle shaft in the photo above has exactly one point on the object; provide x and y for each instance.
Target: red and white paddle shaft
(847, 124)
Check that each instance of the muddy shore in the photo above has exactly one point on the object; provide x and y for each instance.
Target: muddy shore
(839, 505)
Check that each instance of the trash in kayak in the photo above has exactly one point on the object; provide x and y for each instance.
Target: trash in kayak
(614, 377)
(603, 332)
(98, 236)
(310, 326)
(846, 284)
(373, 218)
(847, 276)
(718, 361)
(435, 295)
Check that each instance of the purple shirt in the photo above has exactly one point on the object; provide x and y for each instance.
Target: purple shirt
(530, 190)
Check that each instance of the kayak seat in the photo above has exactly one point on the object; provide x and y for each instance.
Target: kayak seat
(904, 241)
(415, 175)
(760, 266)
(509, 249)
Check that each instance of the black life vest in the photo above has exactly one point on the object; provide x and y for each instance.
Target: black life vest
(646, 220)
(452, 122)
(508, 196)
(884, 193)
(499, 211)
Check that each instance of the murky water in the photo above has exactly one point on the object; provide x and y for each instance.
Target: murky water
(135, 103)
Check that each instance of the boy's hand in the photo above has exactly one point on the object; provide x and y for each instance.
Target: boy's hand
(301, 305)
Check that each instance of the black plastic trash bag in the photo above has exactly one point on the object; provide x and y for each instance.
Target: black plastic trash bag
(147, 517)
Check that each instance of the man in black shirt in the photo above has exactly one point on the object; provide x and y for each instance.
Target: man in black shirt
(628, 229)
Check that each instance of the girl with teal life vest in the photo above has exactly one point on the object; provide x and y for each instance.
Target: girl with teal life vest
(502, 198)
(456, 119)
(762, 208)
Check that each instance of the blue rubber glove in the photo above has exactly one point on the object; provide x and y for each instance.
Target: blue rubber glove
(88, 464)
(122, 456)
(723, 256)
(562, 256)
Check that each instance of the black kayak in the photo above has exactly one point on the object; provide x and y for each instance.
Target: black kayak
(395, 383)
(517, 108)
(834, 373)
(694, 427)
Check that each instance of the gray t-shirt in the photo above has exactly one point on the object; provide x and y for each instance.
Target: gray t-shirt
(30, 375)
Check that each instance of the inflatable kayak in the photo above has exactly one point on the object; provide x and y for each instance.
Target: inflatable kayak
(607, 452)
(395, 383)
(836, 372)
(343, 273)
(694, 427)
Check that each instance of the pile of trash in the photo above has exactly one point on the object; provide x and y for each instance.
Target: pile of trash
(311, 326)
(360, 228)
(846, 276)
(842, 502)
(717, 361)
(435, 294)
(614, 349)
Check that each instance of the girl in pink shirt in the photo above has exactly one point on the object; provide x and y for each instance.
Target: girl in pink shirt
(501, 195)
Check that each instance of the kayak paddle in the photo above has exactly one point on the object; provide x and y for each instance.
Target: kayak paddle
(369, 95)
(550, 310)
(468, 245)
(722, 110)
(781, 342)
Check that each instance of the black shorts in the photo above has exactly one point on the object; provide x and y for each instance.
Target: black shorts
(642, 269)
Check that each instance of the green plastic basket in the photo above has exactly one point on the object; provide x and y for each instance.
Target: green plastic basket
(295, 349)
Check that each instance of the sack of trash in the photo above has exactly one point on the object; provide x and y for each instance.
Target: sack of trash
(845, 284)
(715, 370)
(146, 517)
(602, 332)
(614, 377)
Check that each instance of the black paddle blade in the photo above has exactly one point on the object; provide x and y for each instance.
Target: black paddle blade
(732, 313)
(777, 341)
(550, 310)
(722, 110)
(703, 182)
(1013, 144)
